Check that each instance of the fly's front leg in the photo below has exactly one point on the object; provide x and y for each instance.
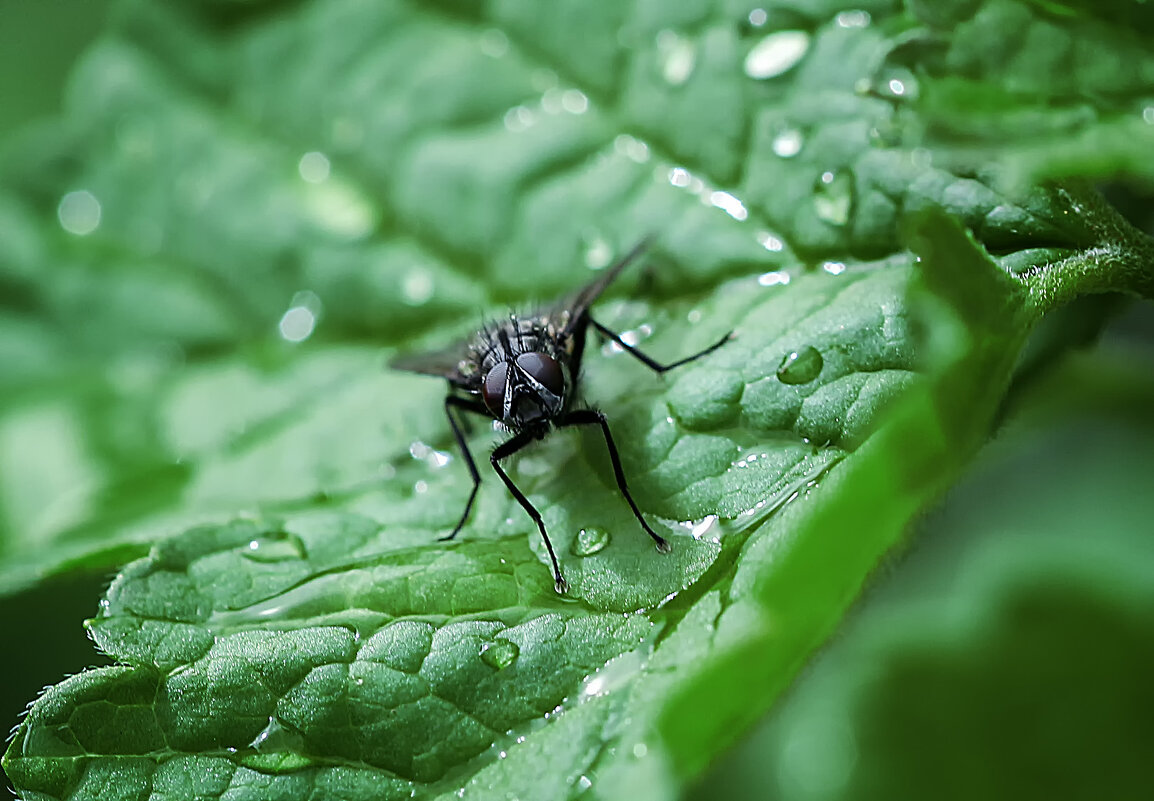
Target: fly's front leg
(649, 362)
(583, 417)
(508, 448)
(454, 402)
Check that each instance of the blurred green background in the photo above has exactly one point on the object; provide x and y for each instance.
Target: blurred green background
(1008, 653)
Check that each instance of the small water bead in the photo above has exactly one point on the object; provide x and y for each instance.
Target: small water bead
(79, 212)
(589, 541)
(677, 56)
(499, 654)
(833, 197)
(800, 366)
(787, 143)
(776, 54)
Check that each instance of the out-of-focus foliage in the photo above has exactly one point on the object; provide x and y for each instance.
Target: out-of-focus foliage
(244, 208)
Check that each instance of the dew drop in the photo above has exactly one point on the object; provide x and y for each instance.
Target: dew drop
(499, 654)
(787, 143)
(274, 549)
(417, 287)
(314, 167)
(79, 212)
(677, 57)
(776, 54)
(853, 19)
(300, 320)
(833, 196)
(1148, 115)
(800, 366)
(589, 541)
(494, 43)
(769, 241)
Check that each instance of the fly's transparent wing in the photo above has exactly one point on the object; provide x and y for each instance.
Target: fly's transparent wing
(443, 363)
(571, 311)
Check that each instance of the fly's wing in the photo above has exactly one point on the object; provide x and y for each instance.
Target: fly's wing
(574, 308)
(443, 363)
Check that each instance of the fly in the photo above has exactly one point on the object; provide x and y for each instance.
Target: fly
(523, 372)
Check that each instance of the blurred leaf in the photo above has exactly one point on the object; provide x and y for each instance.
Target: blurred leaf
(378, 175)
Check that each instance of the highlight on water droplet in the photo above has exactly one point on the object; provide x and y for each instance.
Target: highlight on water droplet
(519, 118)
(79, 212)
(800, 366)
(729, 204)
(633, 149)
(314, 167)
(775, 278)
(598, 252)
(776, 54)
(494, 43)
(833, 197)
(298, 323)
(574, 101)
(589, 541)
(855, 18)
(499, 654)
(677, 56)
(787, 143)
(417, 287)
(770, 242)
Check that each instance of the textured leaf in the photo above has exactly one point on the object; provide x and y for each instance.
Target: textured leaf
(259, 206)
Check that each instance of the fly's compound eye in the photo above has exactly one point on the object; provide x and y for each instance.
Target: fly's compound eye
(493, 390)
(544, 370)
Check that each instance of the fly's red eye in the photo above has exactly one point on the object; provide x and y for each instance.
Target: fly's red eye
(493, 390)
(543, 369)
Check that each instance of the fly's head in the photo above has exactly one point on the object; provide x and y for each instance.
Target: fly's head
(525, 391)
(524, 374)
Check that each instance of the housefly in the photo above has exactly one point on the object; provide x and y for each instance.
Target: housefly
(523, 371)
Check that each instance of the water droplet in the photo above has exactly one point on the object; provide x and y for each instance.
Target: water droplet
(853, 19)
(729, 204)
(1148, 114)
(677, 56)
(574, 101)
(499, 654)
(417, 287)
(494, 43)
(633, 149)
(777, 53)
(800, 366)
(679, 177)
(79, 212)
(598, 252)
(775, 278)
(589, 541)
(833, 196)
(769, 241)
(834, 267)
(758, 17)
(298, 323)
(518, 119)
(583, 783)
(281, 548)
(787, 144)
(314, 167)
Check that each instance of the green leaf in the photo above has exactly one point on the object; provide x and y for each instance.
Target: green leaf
(243, 213)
